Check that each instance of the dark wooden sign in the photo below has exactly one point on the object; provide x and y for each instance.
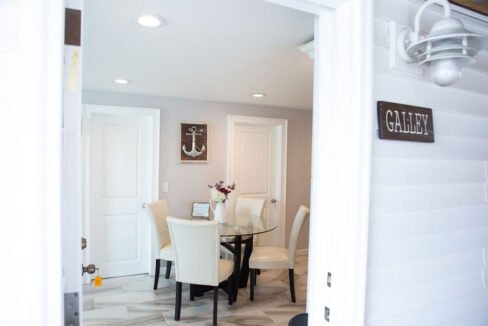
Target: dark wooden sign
(193, 142)
(72, 27)
(405, 122)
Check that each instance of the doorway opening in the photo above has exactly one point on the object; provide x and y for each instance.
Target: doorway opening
(212, 83)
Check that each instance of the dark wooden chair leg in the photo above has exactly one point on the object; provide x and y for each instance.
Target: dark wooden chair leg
(291, 276)
(258, 271)
(230, 289)
(215, 304)
(178, 301)
(253, 283)
(192, 292)
(168, 268)
(156, 274)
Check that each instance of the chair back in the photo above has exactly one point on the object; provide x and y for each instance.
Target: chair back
(196, 246)
(158, 212)
(302, 213)
(249, 207)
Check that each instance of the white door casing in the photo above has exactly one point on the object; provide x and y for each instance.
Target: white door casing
(343, 38)
(121, 155)
(257, 149)
(341, 158)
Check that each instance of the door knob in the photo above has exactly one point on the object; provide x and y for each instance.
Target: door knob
(273, 201)
(90, 269)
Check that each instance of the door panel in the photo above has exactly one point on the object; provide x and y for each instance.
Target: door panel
(119, 182)
(121, 238)
(256, 165)
(254, 162)
(120, 158)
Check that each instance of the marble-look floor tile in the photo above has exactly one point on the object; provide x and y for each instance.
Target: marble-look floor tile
(132, 301)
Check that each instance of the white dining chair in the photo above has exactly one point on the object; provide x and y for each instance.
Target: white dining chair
(279, 258)
(247, 209)
(158, 212)
(248, 206)
(196, 246)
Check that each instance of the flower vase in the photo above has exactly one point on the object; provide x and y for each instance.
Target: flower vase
(220, 212)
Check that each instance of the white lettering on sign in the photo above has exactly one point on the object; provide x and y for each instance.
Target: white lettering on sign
(425, 117)
(413, 123)
(389, 125)
(405, 122)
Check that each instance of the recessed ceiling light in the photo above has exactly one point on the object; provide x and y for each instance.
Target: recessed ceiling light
(150, 21)
(121, 81)
(258, 95)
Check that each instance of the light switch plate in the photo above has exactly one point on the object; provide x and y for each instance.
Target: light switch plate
(165, 187)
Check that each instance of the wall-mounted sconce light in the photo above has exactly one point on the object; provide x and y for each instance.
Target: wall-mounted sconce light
(447, 48)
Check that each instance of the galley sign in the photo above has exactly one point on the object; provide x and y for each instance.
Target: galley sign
(405, 122)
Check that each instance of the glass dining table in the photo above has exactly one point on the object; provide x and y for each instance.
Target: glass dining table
(239, 231)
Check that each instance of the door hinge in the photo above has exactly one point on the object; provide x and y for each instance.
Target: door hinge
(71, 309)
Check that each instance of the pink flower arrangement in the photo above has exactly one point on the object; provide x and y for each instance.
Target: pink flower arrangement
(220, 191)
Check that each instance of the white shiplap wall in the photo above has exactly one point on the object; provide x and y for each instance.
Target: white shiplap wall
(427, 261)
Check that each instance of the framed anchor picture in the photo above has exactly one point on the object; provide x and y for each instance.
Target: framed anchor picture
(193, 145)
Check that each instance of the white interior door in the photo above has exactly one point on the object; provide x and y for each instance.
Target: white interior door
(118, 181)
(257, 164)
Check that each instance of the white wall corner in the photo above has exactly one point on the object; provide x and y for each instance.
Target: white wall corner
(308, 49)
(381, 35)
(486, 171)
(483, 269)
(396, 64)
(486, 181)
(483, 278)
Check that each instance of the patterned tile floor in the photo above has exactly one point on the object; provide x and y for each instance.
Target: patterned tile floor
(132, 301)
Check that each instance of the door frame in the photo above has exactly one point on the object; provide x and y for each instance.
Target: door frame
(88, 111)
(232, 122)
(342, 97)
(341, 158)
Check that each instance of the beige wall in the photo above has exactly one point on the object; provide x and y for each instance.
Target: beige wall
(188, 182)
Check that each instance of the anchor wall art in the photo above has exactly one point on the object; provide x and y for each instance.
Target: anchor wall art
(193, 142)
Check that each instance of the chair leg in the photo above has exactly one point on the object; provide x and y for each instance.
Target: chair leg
(156, 273)
(258, 271)
(178, 301)
(253, 284)
(291, 276)
(230, 289)
(215, 304)
(192, 292)
(168, 268)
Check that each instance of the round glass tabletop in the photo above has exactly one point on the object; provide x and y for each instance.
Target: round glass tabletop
(246, 226)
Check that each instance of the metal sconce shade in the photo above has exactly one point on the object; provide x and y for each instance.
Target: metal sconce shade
(447, 48)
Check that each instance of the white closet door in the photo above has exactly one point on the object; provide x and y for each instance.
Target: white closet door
(119, 183)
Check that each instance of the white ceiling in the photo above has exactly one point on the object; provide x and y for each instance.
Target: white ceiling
(218, 50)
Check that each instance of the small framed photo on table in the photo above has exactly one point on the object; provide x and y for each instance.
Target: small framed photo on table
(193, 144)
(200, 210)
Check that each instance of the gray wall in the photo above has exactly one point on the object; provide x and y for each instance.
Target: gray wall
(188, 182)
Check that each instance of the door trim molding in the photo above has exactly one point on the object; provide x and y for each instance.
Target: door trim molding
(341, 158)
(232, 121)
(88, 111)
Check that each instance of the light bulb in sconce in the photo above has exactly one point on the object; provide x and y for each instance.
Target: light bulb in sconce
(445, 72)
(445, 50)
